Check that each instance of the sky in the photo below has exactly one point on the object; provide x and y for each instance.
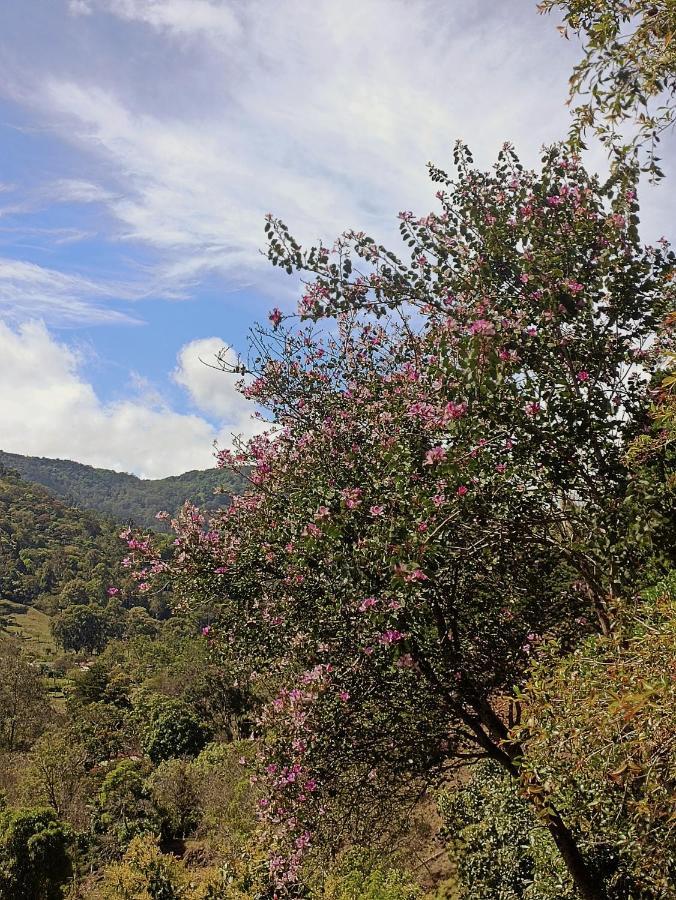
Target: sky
(143, 142)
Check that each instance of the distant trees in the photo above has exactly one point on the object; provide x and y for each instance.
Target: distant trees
(24, 708)
(80, 628)
(121, 497)
(52, 555)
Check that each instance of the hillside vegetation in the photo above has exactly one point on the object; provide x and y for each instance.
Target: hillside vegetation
(120, 496)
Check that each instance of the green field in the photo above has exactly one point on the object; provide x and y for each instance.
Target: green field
(29, 626)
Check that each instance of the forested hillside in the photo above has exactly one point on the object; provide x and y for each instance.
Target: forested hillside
(120, 496)
(48, 548)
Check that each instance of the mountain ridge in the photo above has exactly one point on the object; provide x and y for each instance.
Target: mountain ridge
(121, 496)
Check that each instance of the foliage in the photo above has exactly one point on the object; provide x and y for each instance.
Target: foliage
(599, 727)
(170, 728)
(55, 775)
(627, 73)
(52, 554)
(499, 847)
(446, 485)
(24, 710)
(175, 795)
(121, 497)
(144, 874)
(124, 805)
(361, 876)
(34, 861)
(80, 628)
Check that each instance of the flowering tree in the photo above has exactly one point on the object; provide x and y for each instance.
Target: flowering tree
(444, 486)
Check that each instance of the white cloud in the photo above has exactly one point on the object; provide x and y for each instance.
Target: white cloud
(48, 408)
(76, 190)
(210, 389)
(324, 113)
(178, 17)
(79, 7)
(29, 290)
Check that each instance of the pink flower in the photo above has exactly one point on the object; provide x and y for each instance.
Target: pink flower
(391, 636)
(144, 586)
(367, 604)
(582, 375)
(377, 511)
(416, 575)
(221, 570)
(554, 201)
(112, 591)
(436, 454)
(524, 278)
(206, 630)
(344, 696)
(482, 326)
(275, 317)
(532, 409)
(462, 490)
(351, 497)
(322, 513)
(575, 287)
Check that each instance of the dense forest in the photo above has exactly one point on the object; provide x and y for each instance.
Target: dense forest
(122, 497)
(430, 652)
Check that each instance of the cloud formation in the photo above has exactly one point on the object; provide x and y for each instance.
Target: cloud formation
(324, 113)
(47, 408)
(27, 288)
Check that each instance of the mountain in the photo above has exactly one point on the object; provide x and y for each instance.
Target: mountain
(45, 546)
(123, 497)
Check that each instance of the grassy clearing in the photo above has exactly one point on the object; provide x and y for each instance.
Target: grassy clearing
(30, 627)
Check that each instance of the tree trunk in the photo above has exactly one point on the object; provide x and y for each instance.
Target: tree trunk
(585, 881)
(583, 877)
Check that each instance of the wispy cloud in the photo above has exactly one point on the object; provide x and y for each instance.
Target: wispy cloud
(179, 17)
(28, 290)
(323, 112)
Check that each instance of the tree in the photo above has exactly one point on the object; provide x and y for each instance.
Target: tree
(497, 844)
(144, 874)
(34, 860)
(628, 71)
(80, 628)
(55, 775)
(170, 728)
(599, 727)
(24, 709)
(125, 809)
(447, 483)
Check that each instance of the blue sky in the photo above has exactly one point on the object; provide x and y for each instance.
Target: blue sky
(143, 142)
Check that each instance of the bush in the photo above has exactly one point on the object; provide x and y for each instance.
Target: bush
(361, 876)
(34, 859)
(600, 729)
(170, 728)
(496, 843)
